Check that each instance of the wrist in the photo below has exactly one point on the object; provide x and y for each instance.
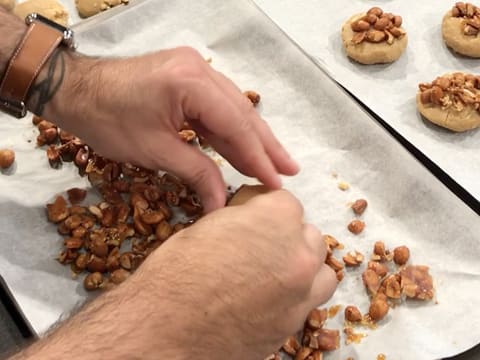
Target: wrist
(64, 87)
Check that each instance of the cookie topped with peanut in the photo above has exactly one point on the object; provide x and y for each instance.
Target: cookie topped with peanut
(374, 37)
(451, 101)
(461, 28)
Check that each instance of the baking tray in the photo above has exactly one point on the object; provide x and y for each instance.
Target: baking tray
(323, 128)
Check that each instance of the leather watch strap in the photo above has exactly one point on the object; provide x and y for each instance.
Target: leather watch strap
(37, 45)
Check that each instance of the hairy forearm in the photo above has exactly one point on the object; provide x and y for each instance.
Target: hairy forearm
(124, 323)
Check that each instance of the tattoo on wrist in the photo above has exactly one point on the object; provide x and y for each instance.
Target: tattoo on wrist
(47, 83)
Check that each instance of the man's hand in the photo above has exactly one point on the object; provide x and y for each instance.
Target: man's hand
(232, 286)
(131, 110)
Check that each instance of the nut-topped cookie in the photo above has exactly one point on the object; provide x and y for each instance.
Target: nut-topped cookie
(451, 101)
(374, 37)
(461, 29)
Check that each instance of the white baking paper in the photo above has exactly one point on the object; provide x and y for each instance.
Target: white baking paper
(323, 129)
(389, 90)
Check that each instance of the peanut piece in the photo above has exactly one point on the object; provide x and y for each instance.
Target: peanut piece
(381, 24)
(316, 318)
(375, 11)
(397, 21)
(359, 206)
(291, 346)
(303, 353)
(375, 36)
(76, 195)
(334, 263)
(360, 25)
(7, 158)
(371, 280)
(118, 276)
(93, 281)
(397, 32)
(353, 258)
(401, 254)
(57, 211)
(253, 96)
(356, 226)
(378, 308)
(426, 96)
(352, 314)
(328, 340)
(371, 19)
(379, 268)
(359, 37)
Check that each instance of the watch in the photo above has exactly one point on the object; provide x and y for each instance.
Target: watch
(41, 39)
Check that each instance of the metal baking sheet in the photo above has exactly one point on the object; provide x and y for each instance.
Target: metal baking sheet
(322, 127)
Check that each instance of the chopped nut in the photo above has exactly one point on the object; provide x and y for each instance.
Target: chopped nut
(340, 275)
(316, 318)
(7, 158)
(360, 25)
(356, 226)
(118, 276)
(76, 195)
(378, 308)
(375, 11)
(57, 211)
(380, 24)
(96, 264)
(163, 231)
(328, 340)
(353, 258)
(375, 36)
(331, 242)
(291, 346)
(401, 254)
(335, 264)
(371, 281)
(53, 156)
(391, 284)
(73, 243)
(379, 268)
(358, 38)
(93, 281)
(352, 314)
(380, 253)
(303, 353)
(187, 135)
(359, 206)
(253, 96)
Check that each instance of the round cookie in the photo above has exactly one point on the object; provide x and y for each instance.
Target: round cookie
(374, 43)
(7, 4)
(51, 9)
(451, 101)
(460, 29)
(87, 8)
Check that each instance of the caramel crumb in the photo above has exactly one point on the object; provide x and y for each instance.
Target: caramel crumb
(333, 310)
(381, 357)
(342, 185)
(352, 336)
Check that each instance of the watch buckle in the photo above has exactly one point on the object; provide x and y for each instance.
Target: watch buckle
(13, 107)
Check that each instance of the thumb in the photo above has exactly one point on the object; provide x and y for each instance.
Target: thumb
(199, 171)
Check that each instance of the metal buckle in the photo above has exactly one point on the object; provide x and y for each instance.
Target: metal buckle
(68, 35)
(13, 107)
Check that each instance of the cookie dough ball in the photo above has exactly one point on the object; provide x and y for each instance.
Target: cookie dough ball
(51, 9)
(374, 37)
(451, 101)
(7, 4)
(87, 8)
(460, 29)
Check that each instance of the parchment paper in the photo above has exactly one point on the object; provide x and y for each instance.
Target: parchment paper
(322, 127)
(389, 90)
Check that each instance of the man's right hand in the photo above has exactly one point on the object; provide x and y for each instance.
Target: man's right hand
(234, 285)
